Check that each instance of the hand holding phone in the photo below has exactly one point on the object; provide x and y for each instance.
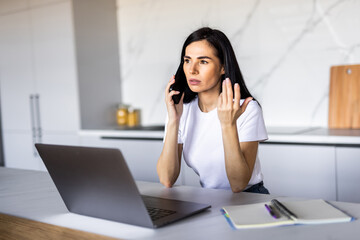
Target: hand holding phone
(177, 86)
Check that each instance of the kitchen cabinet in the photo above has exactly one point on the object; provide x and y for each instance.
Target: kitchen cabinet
(189, 177)
(299, 170)
(59, 72)
(141, 156)
(291, 164)
(348, 173)
(39, 98)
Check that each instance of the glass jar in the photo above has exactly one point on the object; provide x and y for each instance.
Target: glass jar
(133, 117)
(122, 115)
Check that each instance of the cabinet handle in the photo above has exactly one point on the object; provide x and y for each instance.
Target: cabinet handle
(38, 122)
(33, 122)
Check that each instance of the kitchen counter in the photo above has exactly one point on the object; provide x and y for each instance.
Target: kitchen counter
(283, 135)
(333, 155)
(144, 132)
(322, 136)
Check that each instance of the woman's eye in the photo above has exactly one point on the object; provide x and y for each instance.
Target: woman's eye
(186, 60)
(204, 62)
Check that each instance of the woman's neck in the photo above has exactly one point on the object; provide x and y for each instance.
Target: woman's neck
(207, 101)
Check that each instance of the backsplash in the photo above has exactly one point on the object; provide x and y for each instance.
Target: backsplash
(284, 48)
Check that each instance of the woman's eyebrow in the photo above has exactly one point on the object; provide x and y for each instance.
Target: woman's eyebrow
(201, 57)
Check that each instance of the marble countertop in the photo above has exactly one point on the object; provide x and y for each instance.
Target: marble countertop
(301, 135)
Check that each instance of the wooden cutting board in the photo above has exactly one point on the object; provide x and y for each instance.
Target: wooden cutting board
(344, 97)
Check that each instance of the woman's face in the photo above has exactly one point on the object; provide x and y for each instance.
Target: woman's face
(202, 67)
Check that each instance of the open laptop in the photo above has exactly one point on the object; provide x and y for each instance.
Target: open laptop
(97, 182)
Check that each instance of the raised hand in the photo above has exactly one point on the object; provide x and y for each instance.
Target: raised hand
(228, 107)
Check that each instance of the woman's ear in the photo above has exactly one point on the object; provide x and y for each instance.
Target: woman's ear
(222, 70)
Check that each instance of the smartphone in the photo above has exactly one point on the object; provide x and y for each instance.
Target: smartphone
(177, 86)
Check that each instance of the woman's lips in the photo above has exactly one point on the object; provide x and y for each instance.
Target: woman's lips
(194, 81)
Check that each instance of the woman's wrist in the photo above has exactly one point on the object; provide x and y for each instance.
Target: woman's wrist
(228, 126)
(173, 123)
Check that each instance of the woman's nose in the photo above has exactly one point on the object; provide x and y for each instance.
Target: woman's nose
(193, 69)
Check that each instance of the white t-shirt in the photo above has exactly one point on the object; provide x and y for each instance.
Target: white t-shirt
(203, 151)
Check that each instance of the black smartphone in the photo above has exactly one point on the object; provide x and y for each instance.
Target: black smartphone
(177, 86)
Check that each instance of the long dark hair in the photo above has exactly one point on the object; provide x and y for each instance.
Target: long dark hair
(224, 52)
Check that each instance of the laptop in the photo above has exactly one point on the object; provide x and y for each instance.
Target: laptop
(97, 182)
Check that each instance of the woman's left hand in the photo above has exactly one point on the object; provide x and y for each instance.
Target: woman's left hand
(228, 107)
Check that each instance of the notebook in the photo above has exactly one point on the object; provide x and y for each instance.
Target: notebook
(256, 215)
(97, 182)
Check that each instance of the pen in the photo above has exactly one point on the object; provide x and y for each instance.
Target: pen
(272, 213)
(279, 206)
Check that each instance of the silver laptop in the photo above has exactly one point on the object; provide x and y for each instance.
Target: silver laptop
(97, 182)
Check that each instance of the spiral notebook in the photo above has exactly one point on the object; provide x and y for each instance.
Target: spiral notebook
(257, 215)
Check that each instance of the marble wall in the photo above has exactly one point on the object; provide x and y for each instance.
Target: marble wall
(285, 49)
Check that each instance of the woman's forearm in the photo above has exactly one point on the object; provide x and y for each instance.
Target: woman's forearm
(168, 165)
(237, 168)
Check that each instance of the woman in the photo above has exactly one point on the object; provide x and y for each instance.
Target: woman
(216, 123)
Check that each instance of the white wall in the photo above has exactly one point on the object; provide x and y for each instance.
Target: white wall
(285, 50)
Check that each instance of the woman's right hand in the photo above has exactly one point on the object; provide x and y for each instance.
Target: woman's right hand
(174, 110)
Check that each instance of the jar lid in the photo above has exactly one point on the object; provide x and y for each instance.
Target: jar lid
(123, 105)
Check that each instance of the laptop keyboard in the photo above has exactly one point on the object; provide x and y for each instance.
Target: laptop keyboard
(157, 213)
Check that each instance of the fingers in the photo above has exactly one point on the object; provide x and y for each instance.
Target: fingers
(224, 92)
(229, 91)
(182, 98)
(171, 82)
(237, 93)
(168, 93)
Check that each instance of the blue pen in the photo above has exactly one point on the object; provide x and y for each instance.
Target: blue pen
(272, 213)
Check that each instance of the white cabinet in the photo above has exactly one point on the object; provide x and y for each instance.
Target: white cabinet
(189, 177)
(38, 81)
(348, 174)
(17, 85)
(19, 152)
(299, 170)
(16, 71)
(53, 68)
(141, 155)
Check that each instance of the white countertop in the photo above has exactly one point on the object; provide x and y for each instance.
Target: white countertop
(123, 133)
(314, 136)
(301, 135)
(32, 195)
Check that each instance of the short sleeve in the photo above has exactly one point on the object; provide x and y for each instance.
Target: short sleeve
(251, 125)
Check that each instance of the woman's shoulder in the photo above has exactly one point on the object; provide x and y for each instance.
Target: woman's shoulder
(252, 107)
(252, 111)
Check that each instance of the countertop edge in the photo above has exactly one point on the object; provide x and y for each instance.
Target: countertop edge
(299, 138)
